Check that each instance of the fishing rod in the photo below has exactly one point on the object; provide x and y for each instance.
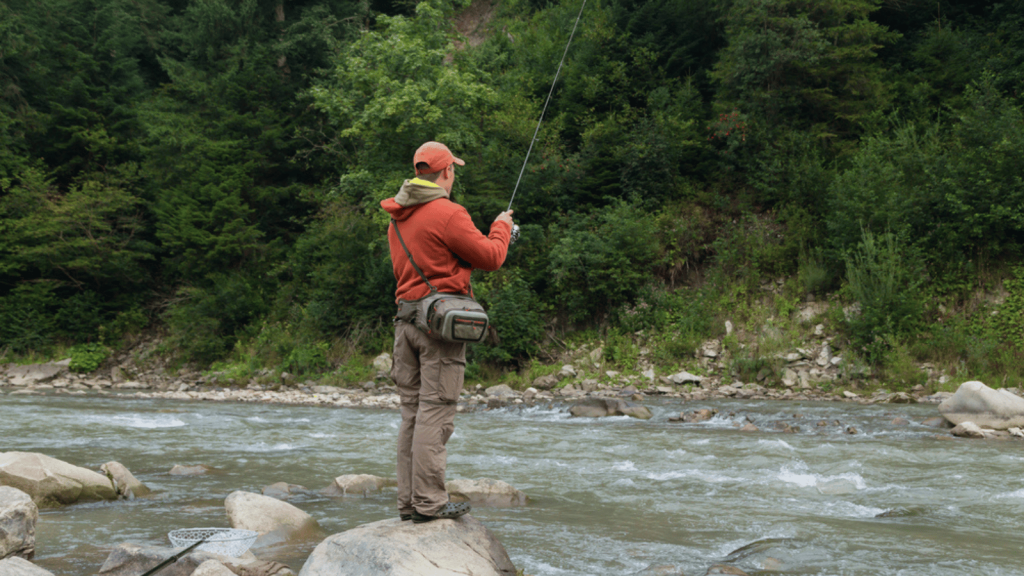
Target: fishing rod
(515, 228)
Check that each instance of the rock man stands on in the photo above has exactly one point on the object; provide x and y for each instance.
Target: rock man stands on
(447, 246)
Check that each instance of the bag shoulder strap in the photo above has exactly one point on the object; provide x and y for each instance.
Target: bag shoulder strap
(411, 261)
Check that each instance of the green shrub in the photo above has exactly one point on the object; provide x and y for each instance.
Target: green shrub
(620, 350)
(26, 317)
(515, 312)
(205, 323)
(88, 357)
(887, 284)
(307, 359)
(602, 261)
(1009, 320)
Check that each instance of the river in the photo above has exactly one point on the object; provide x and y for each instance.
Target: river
(609, 496)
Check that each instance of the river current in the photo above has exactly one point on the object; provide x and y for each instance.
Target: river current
(609, 496)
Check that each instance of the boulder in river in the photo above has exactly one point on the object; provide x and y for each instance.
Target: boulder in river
(18, 516)
(357, 485)
(283, 490)
(15, 566)
(968, 430)
(395, 548)
(125, 483)
(988, 408)
(53, 482)
(193, 470)
(130, 559)
(485, 491)
(276, 521)
(598, 407)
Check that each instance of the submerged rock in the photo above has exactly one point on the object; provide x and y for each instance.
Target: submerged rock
(357, 484)
(196, 470)
(276, 521)
(18, 517)
(395, 548)
(599, 407)
(283, 490)
(53, 482)
(724, 569)
(485, 491)
(15, 566)
(975, 402)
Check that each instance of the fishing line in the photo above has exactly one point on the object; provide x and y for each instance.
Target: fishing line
(546, 102)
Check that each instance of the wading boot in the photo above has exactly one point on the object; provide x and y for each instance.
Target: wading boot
(450, 510)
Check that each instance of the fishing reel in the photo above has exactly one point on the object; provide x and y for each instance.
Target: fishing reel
(515, 233)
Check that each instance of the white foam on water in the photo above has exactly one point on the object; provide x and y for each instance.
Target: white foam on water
(623, 482)
(144, 421)
(804, 479)
(625, 466)
(1014, 494)
(843, 509)
(700, 442)
(675, 453)
(321, 435)
(779, 443)
(256, 419)
(264, 447)
(710, 477)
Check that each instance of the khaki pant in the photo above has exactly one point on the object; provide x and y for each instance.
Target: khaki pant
(429, 375)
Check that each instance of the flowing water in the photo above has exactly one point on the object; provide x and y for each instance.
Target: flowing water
(608, 496)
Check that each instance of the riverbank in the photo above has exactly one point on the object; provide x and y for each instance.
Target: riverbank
(384, 396)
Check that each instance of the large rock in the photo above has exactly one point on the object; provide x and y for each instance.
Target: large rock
(53, 482)
(395, 548)
(485, 491)
(134, 559)
(357, 484)
(125, 483)
(684, 377)
(500, 391)
(276, 521)
(18, 516)
(29, 374)
(598, 407)
(15, 566)
(988, 408)
(968, 430)
(545, 382)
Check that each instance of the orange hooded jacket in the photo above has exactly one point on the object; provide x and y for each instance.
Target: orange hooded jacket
(444, 242)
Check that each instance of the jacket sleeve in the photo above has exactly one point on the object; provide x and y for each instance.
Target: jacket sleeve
(465, 240)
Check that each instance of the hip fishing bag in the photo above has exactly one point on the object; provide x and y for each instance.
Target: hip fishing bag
(448, 317)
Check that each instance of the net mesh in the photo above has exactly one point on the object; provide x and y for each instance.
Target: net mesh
(231, 542)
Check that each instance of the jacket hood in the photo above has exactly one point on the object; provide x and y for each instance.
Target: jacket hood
(412, 194)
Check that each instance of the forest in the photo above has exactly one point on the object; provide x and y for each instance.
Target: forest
(210, 171)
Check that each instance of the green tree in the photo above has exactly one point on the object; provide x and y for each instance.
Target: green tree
(804, 65)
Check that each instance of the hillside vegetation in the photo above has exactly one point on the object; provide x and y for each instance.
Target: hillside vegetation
(210, 171)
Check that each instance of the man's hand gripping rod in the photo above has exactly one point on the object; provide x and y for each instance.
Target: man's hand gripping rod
(515, 227)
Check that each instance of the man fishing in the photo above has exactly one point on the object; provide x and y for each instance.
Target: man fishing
(434, 234)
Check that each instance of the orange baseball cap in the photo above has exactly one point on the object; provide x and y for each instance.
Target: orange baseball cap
(435, 155)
